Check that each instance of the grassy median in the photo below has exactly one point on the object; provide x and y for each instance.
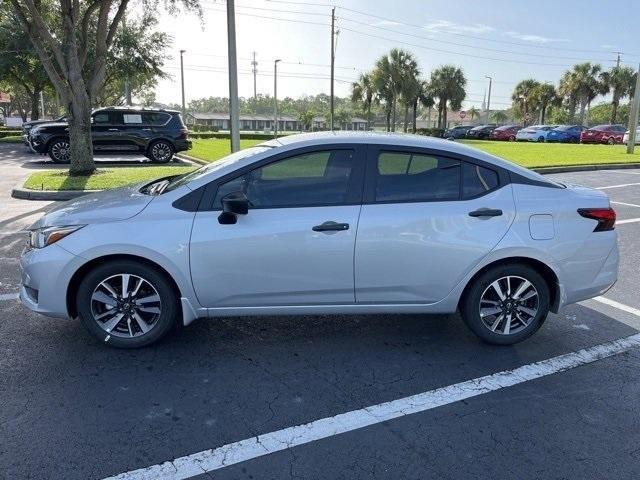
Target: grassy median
(102, 179)
(213, 149)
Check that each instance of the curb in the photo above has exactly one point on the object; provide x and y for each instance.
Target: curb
(586, 168)
(189, 158)
(26, 194)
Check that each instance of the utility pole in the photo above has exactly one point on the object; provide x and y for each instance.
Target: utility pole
(489, 97)
(234, 107)
(618, 59)
(633, 116)
(41, 104)
(127, 92)
(254, 70)
(333, 59)
(275, 98)
(182, 80)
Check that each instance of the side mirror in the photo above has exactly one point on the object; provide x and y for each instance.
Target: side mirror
(233, 204)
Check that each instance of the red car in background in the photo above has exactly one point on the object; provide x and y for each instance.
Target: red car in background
(611, 134)
(506, 132)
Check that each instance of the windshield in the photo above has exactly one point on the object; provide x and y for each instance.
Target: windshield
(180, 180)
(564, 128)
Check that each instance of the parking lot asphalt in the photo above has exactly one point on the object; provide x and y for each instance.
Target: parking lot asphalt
(73, 409)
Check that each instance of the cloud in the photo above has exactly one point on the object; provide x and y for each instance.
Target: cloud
(533, 38)
(445, 26)
(608, 47)
(385, 23)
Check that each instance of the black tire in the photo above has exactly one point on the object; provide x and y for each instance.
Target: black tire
(512, 138)
(470, 305)
(160, 151)
(611, 141)
(58, 150)
(541, 139)
(160, 323)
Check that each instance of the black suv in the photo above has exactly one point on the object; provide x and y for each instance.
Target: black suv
(459, 131)
(157, 134)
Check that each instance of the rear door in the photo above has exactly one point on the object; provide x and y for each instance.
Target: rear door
(426, 221)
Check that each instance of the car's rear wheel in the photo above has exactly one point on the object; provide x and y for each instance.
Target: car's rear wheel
(541, 138)
(512, 138)
(161, 151)
(127, 304)
(611, 141)
(59, 150)
(506, 304)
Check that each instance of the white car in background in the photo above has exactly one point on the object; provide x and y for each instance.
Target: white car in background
(534, 133)
(625, 139)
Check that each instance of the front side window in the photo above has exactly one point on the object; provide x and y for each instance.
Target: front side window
(409, 177)
(311, 179)
(101, 118)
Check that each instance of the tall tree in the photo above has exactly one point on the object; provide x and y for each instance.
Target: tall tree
(72, 39)
(425, 98)
(363, 91)
(499, 116)
(448, 85)
(620, 81)
(587, 85)
(543, 95)
(383, 84)
(523, 97)
(473, 112)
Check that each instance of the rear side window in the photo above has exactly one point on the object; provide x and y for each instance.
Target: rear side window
(312, 179)
(408, 177)
(477, 180)
(155, 118)
(132, 118)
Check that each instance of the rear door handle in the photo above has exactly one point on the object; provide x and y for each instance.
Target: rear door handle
(113, 129)
(331, 227)
(486, 212)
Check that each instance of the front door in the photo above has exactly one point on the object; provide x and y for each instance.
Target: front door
(295, 246)
(426, 222)
(105, 130)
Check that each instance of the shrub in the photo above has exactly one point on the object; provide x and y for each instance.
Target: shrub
(431, 132)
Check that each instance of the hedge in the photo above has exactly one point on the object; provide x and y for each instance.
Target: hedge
(244, 136)
(431, 132)
(9, 133)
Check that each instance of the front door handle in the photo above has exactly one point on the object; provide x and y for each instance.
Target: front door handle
(486, 212)
(113, 129)
(331, 227)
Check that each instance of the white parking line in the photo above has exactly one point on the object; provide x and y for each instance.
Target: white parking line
(627, 204)
(617, 186)
(618, 305)
(8, 296)
(628, 220)
(250, 448)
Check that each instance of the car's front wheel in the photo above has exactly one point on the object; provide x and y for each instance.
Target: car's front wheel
(59, 150)
(506, 304)
(127, 304)
(540, 139)
(161, 151)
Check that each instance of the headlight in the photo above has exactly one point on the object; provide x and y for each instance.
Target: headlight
(42, 237)
(34, 130)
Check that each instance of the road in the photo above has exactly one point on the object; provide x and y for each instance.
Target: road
(72, 409)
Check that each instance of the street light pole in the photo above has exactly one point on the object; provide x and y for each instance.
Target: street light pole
(234, 107)
(275, 97)
(333, 59)
(182, 79)
(489, 96)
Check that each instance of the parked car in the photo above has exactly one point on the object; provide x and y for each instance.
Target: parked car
(27, 126)
(625, 139)
(611, 134)
(157, 134)
(534, 133)
(459, 131)
(481, 132)
(505, 132)
(565, 134)
(325, 223)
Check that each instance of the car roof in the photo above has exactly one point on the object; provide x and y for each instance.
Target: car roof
(291, 142)
(134, 109)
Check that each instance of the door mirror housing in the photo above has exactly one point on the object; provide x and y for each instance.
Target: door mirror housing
(233, 204)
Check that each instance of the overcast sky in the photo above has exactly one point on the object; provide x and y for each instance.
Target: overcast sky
(507, 39)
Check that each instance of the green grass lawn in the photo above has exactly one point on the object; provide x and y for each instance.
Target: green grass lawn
(104, 178)
(213, 149)
(11, 139)
(539, 155)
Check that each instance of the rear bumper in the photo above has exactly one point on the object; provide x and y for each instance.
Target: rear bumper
(182, 145)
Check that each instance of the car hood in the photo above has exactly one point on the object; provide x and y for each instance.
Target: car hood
(100, 207)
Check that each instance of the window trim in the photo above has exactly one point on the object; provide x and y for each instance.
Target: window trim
(371, 171)
(354, 190)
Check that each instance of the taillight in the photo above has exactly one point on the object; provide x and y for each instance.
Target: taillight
(184, 133)
(606, 217)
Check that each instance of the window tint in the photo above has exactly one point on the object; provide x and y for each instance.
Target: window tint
(155, 118)
(132, 118)
(318, 178)
(477, 180)
(406, 177)
(101, 118)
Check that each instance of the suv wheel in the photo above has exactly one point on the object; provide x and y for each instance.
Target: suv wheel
(611, 141)
(59, 151)
(161, 151)
(127, 304)
(506, 304)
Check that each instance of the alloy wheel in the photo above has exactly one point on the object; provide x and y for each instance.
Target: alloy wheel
(161, 152)
(60, 150)
(126, 305)
(509, 305)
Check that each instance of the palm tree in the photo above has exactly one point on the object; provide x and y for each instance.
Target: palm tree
(544, 95)
(473, 112)
(425, 98)
(382, 84)
(588, 86)
(499, 117)
(522, 96)
(568, 90)
(404, 73)
(363, 91)
(448, 86)
(620, 81)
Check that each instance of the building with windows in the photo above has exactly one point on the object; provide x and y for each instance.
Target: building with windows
(258, 123)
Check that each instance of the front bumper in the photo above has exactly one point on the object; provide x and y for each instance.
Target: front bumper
(36, 144)
(45, 276)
